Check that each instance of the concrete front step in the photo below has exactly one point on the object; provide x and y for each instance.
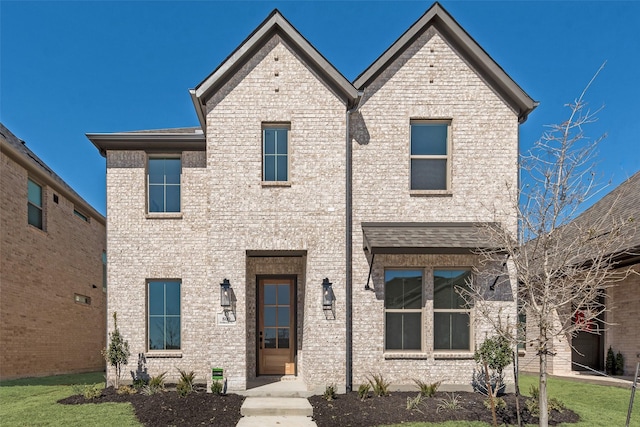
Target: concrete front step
(276, 421)
(276, 406)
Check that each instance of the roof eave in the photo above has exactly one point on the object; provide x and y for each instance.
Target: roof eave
(147, 141)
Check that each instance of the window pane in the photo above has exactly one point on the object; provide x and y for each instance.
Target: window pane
(283, 316)
(445, 283)
(156, 198)
(270, 294)
(269, 168)
(393, 331)
(34, 216)
(156, 333)
(442, 331)
(269, 141)
(281, 141)
(429, 139)
(172, 171)
(283, 294)
(173, 198)
(156, 298)
(282, 167)
(270, 316)
(34, 193)
(156, 171)
(283, 337)
(172, 334)
(403, 331)
(460, 331)
(428, 174)
(270, 338)
(172, 292)
(403, 289)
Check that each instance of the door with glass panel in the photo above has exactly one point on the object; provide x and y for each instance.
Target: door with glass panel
(276, 325)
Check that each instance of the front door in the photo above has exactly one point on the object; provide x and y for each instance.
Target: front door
(276, 325)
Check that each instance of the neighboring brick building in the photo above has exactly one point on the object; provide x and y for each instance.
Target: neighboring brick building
(297, 175)
(619, 326)
(52, 254)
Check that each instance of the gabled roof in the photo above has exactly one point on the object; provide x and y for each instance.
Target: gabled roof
(275, 23)
(17, 149)
(189, 139)
(466, 46)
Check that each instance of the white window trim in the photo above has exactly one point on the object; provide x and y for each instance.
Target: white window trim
(163, 352)
(163, 215)
(40, 208)
(440, 192)
(276, 125)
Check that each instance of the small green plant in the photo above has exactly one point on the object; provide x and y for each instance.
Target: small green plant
(610, 364)
(185, 384)
(449, 403)
(117, 354)
(329, 392)
(533, 406)
(498, 401)
(88, 391)
(413, 402)
(619, 365)
(138, 383)
(216, 387)
(379, 385)
(156, 385)
(427, 389)
(363, 391)
(126, 389)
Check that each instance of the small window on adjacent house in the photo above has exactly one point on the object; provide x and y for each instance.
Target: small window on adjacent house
(82, 299)
(275, 153)
(451, 312)
(430, 159)
(34, 204)
(81, 215)
(164, 184)
(403, 309)
(163, 322)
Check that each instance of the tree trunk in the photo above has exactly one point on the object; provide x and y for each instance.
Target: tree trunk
(542, 397)
(490, 392)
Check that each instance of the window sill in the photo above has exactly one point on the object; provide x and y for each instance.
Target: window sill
(406, 356)
(430, 193)
(163, 355)
(463, 355)
(163, 215)
(276, 183)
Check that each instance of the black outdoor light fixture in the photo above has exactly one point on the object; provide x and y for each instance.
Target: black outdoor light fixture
(328, 297)
(228, 300)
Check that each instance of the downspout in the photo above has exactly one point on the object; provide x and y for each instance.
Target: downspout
(349, 245)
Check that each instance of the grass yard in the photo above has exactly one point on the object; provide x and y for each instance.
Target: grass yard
(32, 402)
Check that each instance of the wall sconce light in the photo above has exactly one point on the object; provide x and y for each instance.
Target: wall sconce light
(228, 300)
(328, 299)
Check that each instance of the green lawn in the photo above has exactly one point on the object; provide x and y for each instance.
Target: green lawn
(32, 402)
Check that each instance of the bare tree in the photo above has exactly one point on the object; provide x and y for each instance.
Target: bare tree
(563, 260)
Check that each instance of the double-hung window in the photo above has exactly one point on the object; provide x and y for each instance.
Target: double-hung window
(430, 155)
(275, 153)
(164, 184)
(163, 323)
(403, 309)
(34, 204)
(451, 312)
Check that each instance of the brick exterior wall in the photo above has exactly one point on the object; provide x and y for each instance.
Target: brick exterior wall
(43, 331)
(623, 334)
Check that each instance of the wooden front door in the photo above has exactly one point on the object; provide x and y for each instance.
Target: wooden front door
(276, 325)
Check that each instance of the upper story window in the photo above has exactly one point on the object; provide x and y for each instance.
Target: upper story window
(34, 204)
(430, 155)
(451, 312)
(163, 321)
(403, 309)
(275, 153)
(81, 215)
(164, 184)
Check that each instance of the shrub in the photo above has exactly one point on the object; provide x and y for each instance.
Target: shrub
(494, 353)
(126, 389)
(413, 402)
(185, 384)
(498, 401)
(88, 391)
(156, 385)
(329, 392)
(216, 387)
(117, 354)
(379, 385)
(449, 403)
(534, 408)
(363, 391)
(427, 389)
(619, 365)
(610, 364)
(138, 383)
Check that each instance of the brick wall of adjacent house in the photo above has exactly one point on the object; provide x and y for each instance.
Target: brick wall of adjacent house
(428, 81)
(227, 212)
(623, 332)
(43, 331)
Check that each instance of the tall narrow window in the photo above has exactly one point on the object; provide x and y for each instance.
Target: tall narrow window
(163, 324)
(452, 314)
(275, 154)
(430, 162)
(403, 309)
(164, 184)
(34, 204)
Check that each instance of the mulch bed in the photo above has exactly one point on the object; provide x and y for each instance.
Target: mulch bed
(202, 408)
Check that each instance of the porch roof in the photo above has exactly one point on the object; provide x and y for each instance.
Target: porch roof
(427, 237)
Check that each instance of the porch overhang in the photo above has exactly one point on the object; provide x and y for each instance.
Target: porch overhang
(428, 237)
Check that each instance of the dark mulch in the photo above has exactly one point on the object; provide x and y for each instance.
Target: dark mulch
(349, 410)
(203, 408)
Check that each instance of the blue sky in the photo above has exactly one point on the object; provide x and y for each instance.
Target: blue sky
(68, 68)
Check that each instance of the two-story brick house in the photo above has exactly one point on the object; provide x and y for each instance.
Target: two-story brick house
(52, 270)
(311, 225)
